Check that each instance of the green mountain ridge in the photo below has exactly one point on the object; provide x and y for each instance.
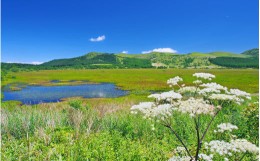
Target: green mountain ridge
(94, 60)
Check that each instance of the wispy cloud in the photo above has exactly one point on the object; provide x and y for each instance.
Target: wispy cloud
(125, 52)
(98, 39)
(162, 50)
(34, 62)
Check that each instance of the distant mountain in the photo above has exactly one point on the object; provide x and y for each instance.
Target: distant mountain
(99, 60)
(253, 52)
(247, 59)
(96, 60)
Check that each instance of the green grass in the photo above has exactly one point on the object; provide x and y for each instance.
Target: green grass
(103, 128)
(145, 79)
(218, 54)
(227, 54)
(75, 131)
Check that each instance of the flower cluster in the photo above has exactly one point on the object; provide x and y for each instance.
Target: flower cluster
(225, 127)
(214, 85)
(242, 145)
(144, 108)
(151, 110)
(219, 146)
(174, 81)
(207, 76)
(197, 82)
(195, 101)
(166, 96)
(190, 89)
(194, 107)
(206, 157)
(227, 148)
(240, 93)
(178, 158)
(206, 91)
(226, 97)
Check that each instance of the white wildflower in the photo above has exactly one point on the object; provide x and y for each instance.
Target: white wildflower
(242, 145)
(190, 89)
(206, 91)
(195, 107)
(150, 110)
(226, 127)
(144, 108)
(240, 93)
(226, 148)
(162, 111)
(178, 158)
(206, 157)
(168, 96)
(214, 85)
(223, 97)
(207, 76)
(197, 82)
(174, 81)
(220, 147)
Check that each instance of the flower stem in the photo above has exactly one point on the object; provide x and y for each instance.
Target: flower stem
(212, 119)
(198, 139)
(178, 137)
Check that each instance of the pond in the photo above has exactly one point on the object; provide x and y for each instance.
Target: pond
(45, 94)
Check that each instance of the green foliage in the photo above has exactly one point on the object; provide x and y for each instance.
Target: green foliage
(233, 62)
(252, 52)
(76, 104)
(53, 134)
(251, 117)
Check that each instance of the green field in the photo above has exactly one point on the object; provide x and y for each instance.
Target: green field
(140, 79)
(104, 129)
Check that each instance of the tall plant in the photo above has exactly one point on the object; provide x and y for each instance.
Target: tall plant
(201, 100)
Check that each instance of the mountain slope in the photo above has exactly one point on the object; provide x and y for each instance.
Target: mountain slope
(96, 60)
(253, 52)
(99, 60)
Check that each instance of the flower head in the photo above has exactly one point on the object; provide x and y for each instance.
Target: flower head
(207, 76)
(226, 127)
(174, 81)
(167, 96)
(194, 107)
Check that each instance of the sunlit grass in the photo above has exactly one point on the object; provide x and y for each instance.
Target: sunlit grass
(141, 79)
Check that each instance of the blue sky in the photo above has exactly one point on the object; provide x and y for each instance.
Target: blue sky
(42, 30)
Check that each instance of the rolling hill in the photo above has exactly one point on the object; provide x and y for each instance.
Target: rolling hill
(94, 60)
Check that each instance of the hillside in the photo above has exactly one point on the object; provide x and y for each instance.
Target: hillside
(252, 52)
(99, 60)
(94, 60)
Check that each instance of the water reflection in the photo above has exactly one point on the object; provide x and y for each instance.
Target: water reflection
(39, 94)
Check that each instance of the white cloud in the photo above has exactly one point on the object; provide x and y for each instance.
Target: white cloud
(100, 38)
(125, 52)
(34, 62)
(162, 50)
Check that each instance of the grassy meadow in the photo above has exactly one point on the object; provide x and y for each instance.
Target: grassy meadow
(139, 79)
(103, 128)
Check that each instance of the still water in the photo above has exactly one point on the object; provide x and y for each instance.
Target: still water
(44, 94)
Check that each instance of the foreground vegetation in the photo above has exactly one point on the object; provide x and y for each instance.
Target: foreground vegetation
(75, 130)
(103, 128)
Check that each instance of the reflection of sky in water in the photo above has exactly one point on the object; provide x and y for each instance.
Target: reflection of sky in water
(38, 94)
